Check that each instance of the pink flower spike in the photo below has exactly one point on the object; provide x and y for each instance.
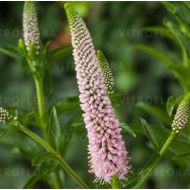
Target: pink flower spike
(107, 152)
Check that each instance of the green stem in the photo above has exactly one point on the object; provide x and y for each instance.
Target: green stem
(71, 172)
(167, 143)
(44, 144)
(115, 184)
(56, 183)
(40, 101)
(59, 180)
(146, 176)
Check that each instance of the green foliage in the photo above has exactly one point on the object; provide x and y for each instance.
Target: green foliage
(156, 111)
(128, 129)
(72, 130)
(44, 166)
(59, 53)
(178, 32)
(81, 7)
(67, 104)
(54, 130)
(26, 147)
(150, 134)
(171, 103)
(11, 52)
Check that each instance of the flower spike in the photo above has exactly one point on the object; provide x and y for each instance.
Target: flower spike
(107, 152)
(30, 26)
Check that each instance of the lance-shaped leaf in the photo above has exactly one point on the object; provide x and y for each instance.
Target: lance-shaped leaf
(54, 130)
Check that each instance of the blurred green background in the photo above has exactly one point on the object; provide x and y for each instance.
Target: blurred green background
(115, 28)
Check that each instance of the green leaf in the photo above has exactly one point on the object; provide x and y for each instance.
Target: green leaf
(54, 130)
(155, 53)
(187, 4)
(182, 39)
(171, 103)
(115, 99)
(128, 129)
(81, 7)
(155, 111)
(10, 52)
(44, 166)
(41, 158)
(180, 145)
(137, 179)
(26, 146)
(150, 134)
(59, 53)
(35, 177)
(180, 71)
(67, 104)
(5, 130)
(147, 171)
(179, 10)
(132, 180)
(181, 156)
(161, 31)
(169, 6)
(74, 126)
(21, 47)
(29, 148)
(28, 118)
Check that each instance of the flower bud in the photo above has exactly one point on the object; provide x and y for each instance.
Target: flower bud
(108, 77)
(4, 116)
(182, 116)
(30, 26)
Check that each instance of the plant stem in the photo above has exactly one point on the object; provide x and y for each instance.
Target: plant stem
(146, 176)
(42, 117)
(167, 143)
(71, 172)
(44, 144)
(115, 183)
(59, 180)
(40, 101)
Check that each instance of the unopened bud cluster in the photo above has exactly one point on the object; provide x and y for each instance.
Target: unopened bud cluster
(181, 117)
(107, 74)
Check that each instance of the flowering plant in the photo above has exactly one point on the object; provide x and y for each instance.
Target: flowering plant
(45, 131)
